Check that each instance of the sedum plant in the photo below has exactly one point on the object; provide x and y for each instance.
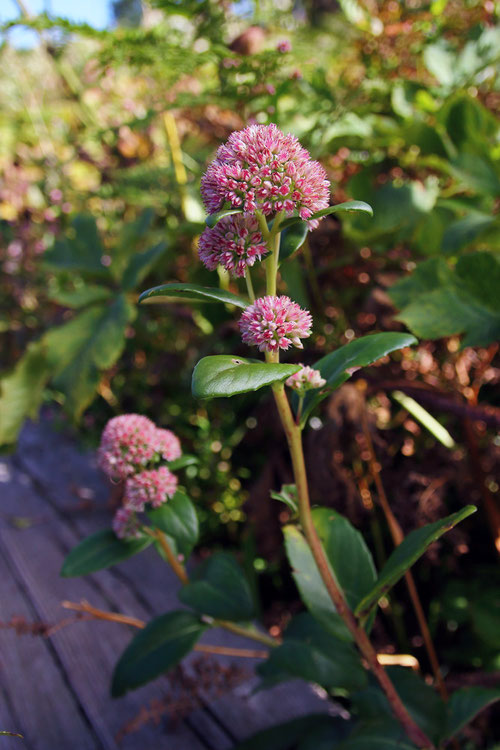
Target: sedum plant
(264, 194)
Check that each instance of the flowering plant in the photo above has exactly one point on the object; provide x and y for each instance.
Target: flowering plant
(261, 186)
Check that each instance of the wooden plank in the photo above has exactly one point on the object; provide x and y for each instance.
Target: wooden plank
(36, 701)
(87, 650)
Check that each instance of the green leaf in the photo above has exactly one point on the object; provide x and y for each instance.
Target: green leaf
(21, 391)
(422, 701)
(310, 584)
(101, 550)
(377, 734)
(177, 518)
(132, 237)
(462, 232)
(220, 590)
(81, 250)
(359, 353)
(182, 462)
(214, 219)
(404, 556)
(347, 553)
(156, 649)
(293, 733)
(437, 301)
(81, 297)
(311, 653)
(10, 734)
(427, 420)
(141, 264)
(292, 238)
(346, 206)
(225, 375)
(191, 293)
(287, 495)
(85, 346)
(464, 705)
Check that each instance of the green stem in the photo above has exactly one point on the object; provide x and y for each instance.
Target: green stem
(182, 575)
(248, 279)
(294, 439)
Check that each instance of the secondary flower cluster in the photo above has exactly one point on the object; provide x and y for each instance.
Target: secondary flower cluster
(131, 448)
(273, 323)
(234, 243)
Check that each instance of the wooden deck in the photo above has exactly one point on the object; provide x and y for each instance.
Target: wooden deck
(55, 690)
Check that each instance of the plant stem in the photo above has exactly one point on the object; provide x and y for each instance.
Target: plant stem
(250, 290)
(398, 537)
(100, 614)
(175, 564)
(182, 575)
(294, 439)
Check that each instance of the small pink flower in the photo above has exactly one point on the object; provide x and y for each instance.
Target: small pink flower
(154, 486)
(261, 168)
(305, 379)
(234, 243)
(167, 445)
(273, 323)
(283, 46)
(127, 444)
(125, 524)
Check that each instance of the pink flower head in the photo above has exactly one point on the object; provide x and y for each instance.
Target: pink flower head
(273, 323)
(167, 445)
(305, 379)
(125, 524)
(127, 444)
(262, 168)
(154, 486)
(283, 46)
(235, 243)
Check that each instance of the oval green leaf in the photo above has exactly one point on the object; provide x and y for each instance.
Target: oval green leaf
(337, 366)
(465, 704)
(214, 219)
(223, 375)
(292, 238)
(156, 649)
(101, 550)
(190, 293)
(347, 553)
(178, 519)
(406, 555)
(346, 206)
(221, 590)
(310, 584)
(182, 462)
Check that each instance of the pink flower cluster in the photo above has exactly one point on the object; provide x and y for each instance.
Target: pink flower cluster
(273, 323)
(130, 441)
(130, 447)
(234, 243)
(154, 486)
(284, 46)
(305, 379)
(261, 168)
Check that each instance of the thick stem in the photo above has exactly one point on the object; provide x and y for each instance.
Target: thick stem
(294, 439)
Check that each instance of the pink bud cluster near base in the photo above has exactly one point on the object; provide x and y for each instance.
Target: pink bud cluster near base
(154, 486)
(305, 379)
(234, 243)
(274, 323)
(129, 442)
(261, 168)
(131, 448)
